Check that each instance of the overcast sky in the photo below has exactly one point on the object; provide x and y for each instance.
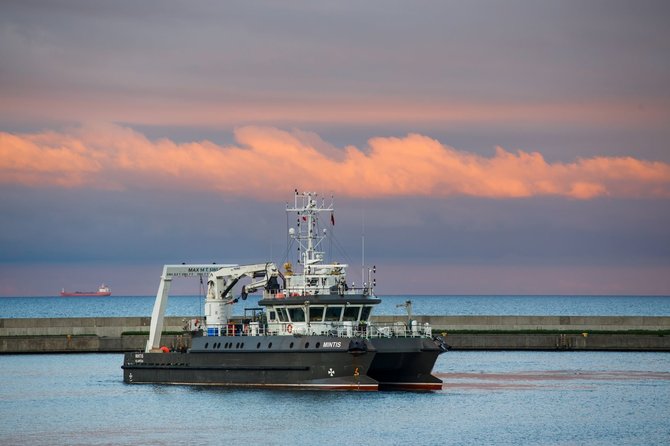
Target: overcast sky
(481, 147)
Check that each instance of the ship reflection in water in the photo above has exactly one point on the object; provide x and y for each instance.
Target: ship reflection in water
(546, 379)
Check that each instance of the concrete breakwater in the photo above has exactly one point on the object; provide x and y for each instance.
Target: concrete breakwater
(102, 334)
(595, 333)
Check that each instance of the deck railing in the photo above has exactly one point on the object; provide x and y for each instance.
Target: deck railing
(317, 291)
(413, 329)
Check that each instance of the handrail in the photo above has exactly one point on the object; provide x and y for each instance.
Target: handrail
(306, 292)
(336, 329)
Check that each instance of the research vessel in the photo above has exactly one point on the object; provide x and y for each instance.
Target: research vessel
(103, 290)
(312, 329)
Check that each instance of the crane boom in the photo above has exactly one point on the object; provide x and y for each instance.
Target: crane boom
(220, 282)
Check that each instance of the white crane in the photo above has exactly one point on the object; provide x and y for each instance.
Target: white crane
(220, 282)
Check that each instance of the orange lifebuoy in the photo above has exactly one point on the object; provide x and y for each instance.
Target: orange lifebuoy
(280, 295)
(289, 328)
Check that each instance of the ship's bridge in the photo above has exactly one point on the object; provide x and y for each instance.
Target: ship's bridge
(320, 315)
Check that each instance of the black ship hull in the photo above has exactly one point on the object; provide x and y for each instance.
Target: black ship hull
(310, 362)
(405, 363)
(305, 362)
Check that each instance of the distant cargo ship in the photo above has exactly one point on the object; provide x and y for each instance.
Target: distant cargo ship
(104, 290)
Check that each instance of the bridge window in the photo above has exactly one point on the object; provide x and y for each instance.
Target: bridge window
(365, 314)
(297, 314)
(315, 314)
(333, 314)
(273, 315)
(282, 316)
(351, 313)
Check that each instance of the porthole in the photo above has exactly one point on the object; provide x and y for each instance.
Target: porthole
(237, 345)
(318, 344)
(242, 345)
(206, 344)
(291, 346)
(258, 345)
(270, 345)
(306, 344)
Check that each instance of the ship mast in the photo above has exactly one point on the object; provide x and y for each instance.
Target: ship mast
(307, 208)
(316, 276)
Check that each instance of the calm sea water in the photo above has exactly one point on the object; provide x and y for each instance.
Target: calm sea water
(502, 398)
(496, 398)
(421, 305)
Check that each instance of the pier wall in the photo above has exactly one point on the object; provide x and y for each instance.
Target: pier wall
(102, 334)
(537, 323)
(82, 334)
(80, 326)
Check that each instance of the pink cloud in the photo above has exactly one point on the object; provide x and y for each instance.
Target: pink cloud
(266, 159)
(46, 158)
